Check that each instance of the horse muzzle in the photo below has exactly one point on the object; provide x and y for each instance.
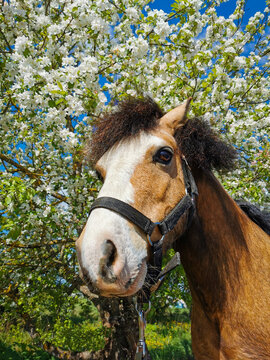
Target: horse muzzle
(108, 269)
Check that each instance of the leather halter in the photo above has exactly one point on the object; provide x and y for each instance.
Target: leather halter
(142, 221)
(187, 203)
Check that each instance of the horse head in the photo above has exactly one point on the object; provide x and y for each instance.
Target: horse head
(143, 170)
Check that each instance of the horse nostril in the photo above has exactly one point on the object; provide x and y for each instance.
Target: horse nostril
(106, 262)
(110, 252)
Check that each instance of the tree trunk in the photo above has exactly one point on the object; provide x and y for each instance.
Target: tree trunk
(120, 316)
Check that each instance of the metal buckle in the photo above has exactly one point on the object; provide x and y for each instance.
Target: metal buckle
(141, 347)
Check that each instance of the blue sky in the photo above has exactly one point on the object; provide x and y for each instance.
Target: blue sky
(225, 9)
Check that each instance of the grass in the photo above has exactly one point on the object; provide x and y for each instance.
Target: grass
(170, 341)
(20, 351)
(166, 341)
(16, 344)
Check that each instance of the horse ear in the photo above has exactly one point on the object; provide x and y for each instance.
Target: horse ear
(175, 118)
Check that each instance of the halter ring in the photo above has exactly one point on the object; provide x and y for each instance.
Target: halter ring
(149, 236)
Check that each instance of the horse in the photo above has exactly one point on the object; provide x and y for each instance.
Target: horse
(143, 155)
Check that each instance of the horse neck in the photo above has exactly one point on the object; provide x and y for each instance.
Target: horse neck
(214, 246)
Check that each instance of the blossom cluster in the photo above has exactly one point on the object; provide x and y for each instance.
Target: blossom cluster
(64, 62)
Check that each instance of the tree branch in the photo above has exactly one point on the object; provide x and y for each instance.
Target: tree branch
(18, 245)
(32, 175)
(252, 84)
(20, 167)
(5, 39)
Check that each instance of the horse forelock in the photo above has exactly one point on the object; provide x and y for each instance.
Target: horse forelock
(128, 119)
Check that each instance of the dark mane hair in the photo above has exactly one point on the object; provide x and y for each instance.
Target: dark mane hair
(261, 218)
(130, 117)
(200, 144)
(203, 148)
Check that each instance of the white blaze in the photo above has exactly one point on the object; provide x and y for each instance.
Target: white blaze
(119, 164)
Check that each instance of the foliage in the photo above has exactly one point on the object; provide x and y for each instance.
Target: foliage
(76, 328)
(61, 64)
(15, 344)
(70, 325)
(165, 302)
(169, 341)
(171, 313)
(166, 341)
(76, 337)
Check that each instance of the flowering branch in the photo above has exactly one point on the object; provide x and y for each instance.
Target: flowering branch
(32, 176)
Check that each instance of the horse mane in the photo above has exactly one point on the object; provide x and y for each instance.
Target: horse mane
(201, 146)
(261, 218)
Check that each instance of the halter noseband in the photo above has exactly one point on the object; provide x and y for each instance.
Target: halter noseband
(148, 226)
(142, 221)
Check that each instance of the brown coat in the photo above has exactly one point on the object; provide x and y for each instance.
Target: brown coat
(227, 260)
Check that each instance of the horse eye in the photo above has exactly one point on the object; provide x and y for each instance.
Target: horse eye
(163, 156)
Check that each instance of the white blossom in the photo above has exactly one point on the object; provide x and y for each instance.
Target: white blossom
(132, 13)
(102, 97)
(162, 29)
(103, 5)
(139, 47)
(21, 43)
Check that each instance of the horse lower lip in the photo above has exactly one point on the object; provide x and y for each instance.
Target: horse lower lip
(130, 282)
(90, 284)
(130, 287)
